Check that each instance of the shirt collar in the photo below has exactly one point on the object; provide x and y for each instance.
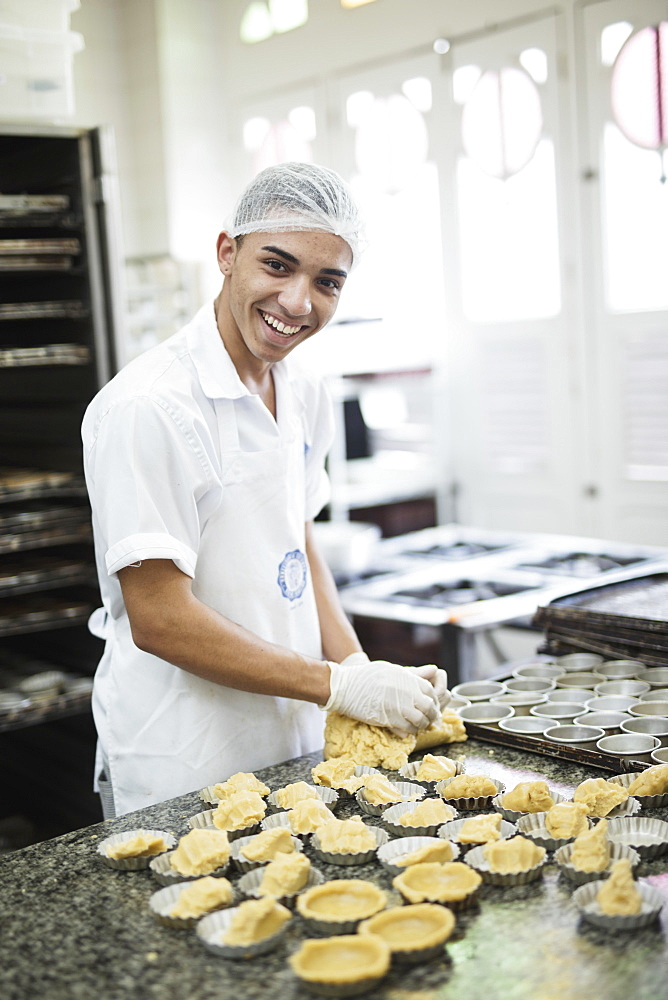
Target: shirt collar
(218, 376)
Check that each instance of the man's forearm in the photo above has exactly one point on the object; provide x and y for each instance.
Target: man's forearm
(168, 621)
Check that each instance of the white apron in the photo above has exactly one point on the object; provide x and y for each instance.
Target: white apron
(165, 731)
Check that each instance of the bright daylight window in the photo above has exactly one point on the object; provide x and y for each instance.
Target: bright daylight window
(277, 142)
(507, 194)
(400, 277)
(262, 20)
(635, 201)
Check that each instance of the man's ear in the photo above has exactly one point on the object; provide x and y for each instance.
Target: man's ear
(226, 248)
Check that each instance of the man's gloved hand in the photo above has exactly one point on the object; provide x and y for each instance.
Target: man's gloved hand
(439, 679)
(382, 693)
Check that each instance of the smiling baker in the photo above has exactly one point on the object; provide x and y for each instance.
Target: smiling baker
(205, 466)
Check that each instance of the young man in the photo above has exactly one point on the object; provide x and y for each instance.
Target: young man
(204, 461)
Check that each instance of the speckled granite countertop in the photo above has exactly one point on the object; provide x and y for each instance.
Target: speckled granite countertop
(73, 929)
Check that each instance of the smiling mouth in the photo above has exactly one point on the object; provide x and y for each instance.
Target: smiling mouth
(278, 326)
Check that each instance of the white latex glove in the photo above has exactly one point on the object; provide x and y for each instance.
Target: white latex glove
(439, 679)
(382, 694)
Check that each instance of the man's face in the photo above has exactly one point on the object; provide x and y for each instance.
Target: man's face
(280, 289)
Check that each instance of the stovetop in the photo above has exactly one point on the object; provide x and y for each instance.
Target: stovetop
(456, 592)
(581, 564)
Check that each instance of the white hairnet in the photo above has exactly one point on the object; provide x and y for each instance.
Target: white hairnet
(295, 197)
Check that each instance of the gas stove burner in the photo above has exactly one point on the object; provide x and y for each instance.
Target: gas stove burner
(582, 564)
(442, 595)
(454, 550)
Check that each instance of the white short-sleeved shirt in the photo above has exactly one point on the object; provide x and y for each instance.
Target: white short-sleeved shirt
(152, 456)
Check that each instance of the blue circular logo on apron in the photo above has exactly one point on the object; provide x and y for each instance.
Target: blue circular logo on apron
(292, 574)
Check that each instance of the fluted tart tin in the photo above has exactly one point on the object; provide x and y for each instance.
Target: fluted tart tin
(327, 795)
(477, 859)
(391, 854)
(212, 928)
(358, 858)
(204, 821)
(470, 803)
(162, 902)
(646, 801)
(645, 834)
(161, 868)
(513, 815)
(243, 864)
(409, 792)
(249, 885)
(584, 899)
(391, 816)
(409, 773)
(132, 864)
(563, 859)
(451, 831)
(533, 825)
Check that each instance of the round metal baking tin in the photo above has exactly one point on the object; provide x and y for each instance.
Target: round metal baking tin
(327, 795)
(242, 864)
(409, 792)
(132, 864)
(360, 858)
(648, 801)
(209, 797)
(486, 712)
(610, 703)
(656, 694)
(656, 677)
(450, 831)
(576, 736)
(478, 690)
(521, 701)
(391, 853)
(578, 679)
(558, 711)
(604, 720)
(620, 670)
(348, 925)
(531, 685)
(543, 671)
(476, 859)
(660, 756)
(579, 661)
(528, 725)
(579, 695)
(584, 899)
(409, 773)
(470, 802)
(212, 928)
(204, 821)
(533, 825)
(563, 858)
(630, 689)
(163, 872)
(390, 820)
(645, 834)
(164, 900)
(249, 885)
(629, 745)
(645, 708)
(513, 815)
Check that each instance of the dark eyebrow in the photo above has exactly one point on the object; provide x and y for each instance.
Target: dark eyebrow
(295, 260)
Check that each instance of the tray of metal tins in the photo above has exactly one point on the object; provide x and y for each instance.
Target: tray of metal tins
(536, 742)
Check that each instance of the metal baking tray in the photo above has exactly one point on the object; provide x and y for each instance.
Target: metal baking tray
(66, 309)
(46, 354)
(23, 484)
(39, 573)
(51, 247)
(17, 205)
(535, 744)
(40, 613)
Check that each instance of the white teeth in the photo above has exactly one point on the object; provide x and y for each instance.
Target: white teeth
(287, 331)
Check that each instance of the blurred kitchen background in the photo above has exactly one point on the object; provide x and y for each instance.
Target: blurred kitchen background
(499, 361)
